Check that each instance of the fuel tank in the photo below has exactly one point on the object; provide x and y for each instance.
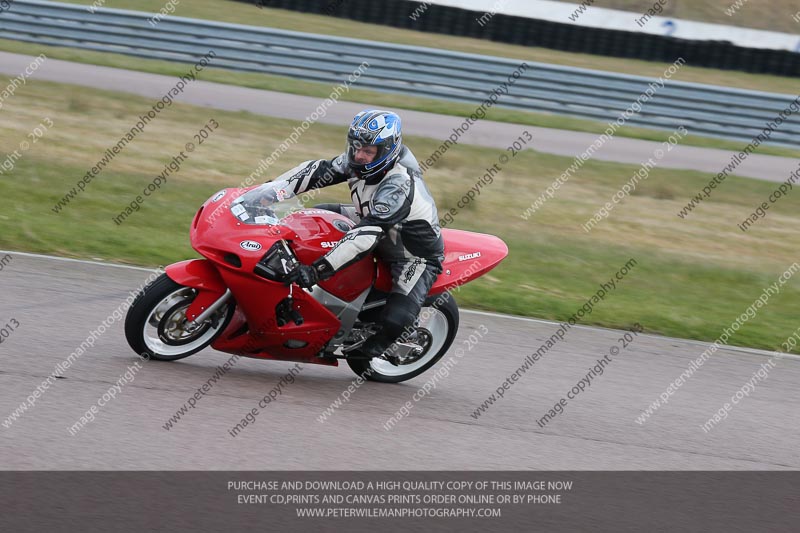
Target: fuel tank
(317, 231)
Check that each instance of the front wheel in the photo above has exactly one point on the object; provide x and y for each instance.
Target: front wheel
(439, 317)
(156, 325)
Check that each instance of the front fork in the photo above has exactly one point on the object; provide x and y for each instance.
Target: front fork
(210, 311)
(202, 276)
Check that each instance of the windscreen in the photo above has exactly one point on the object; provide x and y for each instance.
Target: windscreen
(265, 205)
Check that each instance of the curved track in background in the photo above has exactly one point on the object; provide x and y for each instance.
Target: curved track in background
(58, 302)
(483, 133)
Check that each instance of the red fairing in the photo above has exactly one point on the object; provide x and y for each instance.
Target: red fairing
(199, 274)
(196, 273)
(467, 255)
(257, 299)
(232, 248)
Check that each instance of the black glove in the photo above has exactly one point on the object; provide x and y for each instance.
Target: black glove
(307, 276)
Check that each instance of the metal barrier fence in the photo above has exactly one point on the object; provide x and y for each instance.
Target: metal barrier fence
(603, 96)
(523, 31)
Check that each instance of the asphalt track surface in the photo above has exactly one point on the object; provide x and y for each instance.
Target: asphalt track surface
(57, 302)
(483, 133)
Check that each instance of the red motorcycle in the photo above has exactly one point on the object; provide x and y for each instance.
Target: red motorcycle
(239, 300)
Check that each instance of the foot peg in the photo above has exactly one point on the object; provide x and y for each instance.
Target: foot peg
(285, 311)
(401, 353)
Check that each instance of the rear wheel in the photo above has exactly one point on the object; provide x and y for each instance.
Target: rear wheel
(156, 325)
(438, 324)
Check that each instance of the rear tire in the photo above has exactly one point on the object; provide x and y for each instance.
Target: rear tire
(156, 324)
(442, 322)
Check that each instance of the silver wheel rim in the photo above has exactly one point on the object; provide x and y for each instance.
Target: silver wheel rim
(434, 321)
(177, 325)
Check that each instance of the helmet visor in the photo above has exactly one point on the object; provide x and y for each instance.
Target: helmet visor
(363, 156)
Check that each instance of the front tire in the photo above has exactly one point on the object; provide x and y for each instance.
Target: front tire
(156, 324)
(437, 316)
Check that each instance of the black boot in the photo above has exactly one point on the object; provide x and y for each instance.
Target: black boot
(375, 346)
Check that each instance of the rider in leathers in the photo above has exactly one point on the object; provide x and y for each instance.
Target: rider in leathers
(395, 214)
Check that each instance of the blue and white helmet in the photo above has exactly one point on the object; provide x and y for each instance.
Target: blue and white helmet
(377, 128)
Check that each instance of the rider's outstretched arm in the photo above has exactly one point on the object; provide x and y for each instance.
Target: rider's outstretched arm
(311, 175)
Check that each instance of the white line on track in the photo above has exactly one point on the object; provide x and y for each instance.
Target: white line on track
(753, 351)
